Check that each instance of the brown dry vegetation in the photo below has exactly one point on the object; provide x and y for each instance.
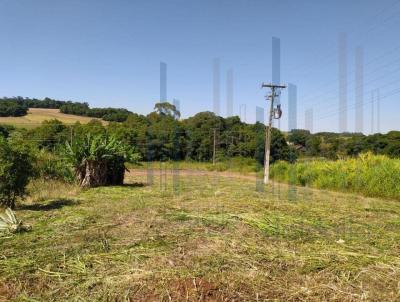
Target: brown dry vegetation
(212, 239)
(36, 116)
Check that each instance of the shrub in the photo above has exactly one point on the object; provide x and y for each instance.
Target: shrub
(50, 166)
(5, 130)
(50, 133)
(15, 171)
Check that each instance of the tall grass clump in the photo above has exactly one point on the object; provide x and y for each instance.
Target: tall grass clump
(368, 174)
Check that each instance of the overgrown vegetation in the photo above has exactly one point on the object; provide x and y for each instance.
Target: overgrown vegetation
(368, 174)
(52, 166)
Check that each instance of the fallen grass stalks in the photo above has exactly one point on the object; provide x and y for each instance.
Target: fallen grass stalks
(147, 243)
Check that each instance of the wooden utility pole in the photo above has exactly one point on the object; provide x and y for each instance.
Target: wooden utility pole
(268, 130)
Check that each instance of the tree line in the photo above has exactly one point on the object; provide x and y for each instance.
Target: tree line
(107, 114)
(339, 145)
(161, 136)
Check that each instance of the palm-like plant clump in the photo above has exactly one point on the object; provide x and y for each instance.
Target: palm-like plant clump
(99, 160)
(10, 224)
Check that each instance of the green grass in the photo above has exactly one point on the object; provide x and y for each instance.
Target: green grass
(36, 116)
(238, 164)
(213, 239)
(368, 174)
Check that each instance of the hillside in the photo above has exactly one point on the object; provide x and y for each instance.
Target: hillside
(36, 116)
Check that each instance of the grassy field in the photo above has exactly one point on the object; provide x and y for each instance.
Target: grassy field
(36, 116)
(210, 238)
(241, 165)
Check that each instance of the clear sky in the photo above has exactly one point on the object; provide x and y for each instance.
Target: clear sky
(107, 53)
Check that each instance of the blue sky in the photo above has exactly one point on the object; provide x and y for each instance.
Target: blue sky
(107, 53)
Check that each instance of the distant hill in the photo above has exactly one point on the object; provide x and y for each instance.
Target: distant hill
(19, 106)
(36, 116)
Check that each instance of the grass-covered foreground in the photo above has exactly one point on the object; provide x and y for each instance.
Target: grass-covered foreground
(214, 239)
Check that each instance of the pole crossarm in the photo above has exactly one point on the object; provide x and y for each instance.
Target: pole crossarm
(264, 85)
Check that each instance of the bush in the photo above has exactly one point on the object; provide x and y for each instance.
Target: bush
(50, 133)
(49, 166)
(15, 171)
(5, 130)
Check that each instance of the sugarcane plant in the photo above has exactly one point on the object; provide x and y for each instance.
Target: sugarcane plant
(10, 224)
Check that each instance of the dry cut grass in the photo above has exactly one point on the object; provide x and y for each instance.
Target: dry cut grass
(208, 238)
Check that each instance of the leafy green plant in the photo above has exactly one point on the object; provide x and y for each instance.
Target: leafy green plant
(10, 224)
(15, 170)
(51, 166)
(99, 160)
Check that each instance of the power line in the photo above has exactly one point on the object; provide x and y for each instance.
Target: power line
(382, 86)
(332, 54)
(392, 93)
